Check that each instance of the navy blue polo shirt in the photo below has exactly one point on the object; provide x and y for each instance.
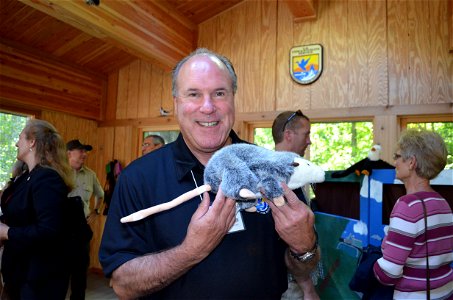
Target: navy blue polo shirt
(246, 265)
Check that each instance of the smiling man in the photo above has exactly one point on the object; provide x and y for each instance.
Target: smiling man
(206, 250)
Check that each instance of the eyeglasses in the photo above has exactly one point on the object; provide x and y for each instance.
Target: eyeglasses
(396, 156)
(146, 144)
(296, 113)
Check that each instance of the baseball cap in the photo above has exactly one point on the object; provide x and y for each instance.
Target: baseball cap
(76, 144)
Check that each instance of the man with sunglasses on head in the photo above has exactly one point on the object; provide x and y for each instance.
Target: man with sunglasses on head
(291, 132)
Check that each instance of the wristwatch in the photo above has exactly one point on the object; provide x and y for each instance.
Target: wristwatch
(307, 256)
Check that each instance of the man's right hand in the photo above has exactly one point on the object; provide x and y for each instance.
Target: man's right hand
(209, 224)
(152, 272)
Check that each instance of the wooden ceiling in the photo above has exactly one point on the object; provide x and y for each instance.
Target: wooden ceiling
(102, 38)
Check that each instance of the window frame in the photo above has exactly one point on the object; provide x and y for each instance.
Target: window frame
(404, 120)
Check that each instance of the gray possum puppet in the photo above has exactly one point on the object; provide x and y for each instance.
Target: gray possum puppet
(246, 173)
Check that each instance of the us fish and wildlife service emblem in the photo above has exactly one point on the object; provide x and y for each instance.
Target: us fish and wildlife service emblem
(306, 63)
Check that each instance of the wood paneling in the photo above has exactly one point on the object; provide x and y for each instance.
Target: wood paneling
(283, 91)
(27, 26)
(450, 18)
(126, 25)
(31, 80)
(200, 10)
(142, 90)
(301, 10)
(442, 68)
(375, 53)
(398, 52)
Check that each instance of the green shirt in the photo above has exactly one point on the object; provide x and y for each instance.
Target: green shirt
(87, 184)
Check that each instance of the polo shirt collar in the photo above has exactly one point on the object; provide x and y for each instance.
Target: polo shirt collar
(185, 161)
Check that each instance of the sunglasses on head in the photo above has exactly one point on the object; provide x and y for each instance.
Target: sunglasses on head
(296, 113)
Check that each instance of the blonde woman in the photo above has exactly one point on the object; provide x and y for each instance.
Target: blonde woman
(34, 224)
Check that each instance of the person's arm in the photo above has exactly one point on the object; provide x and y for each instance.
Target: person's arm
(98, 193)
(397, 244)
(294, 222)
(152, 272)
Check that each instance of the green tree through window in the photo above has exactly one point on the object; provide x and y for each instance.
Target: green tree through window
(335, 146)
(10, 127)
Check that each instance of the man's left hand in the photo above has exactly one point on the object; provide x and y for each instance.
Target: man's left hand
(294, 222)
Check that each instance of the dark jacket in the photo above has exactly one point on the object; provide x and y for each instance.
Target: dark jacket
(36, 253)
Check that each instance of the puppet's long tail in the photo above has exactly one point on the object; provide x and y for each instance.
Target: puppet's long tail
(141, 214)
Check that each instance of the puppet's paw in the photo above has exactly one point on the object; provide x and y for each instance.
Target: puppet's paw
(279, 201)
(357, 172)
(247, 194)
(365, 172)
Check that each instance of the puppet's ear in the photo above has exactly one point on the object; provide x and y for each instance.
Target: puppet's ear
(141, 214)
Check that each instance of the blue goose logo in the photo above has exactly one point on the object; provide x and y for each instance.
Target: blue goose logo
(306, 63)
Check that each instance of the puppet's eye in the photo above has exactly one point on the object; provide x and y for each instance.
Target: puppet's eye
(295, 164)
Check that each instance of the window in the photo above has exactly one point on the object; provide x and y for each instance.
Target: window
(168, 136)
(169, 133)
(335, 145)
(10, 127)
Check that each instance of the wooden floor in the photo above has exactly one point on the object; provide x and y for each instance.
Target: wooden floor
(98, 288)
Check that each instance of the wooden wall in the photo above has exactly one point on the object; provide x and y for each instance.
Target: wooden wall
(382, 60)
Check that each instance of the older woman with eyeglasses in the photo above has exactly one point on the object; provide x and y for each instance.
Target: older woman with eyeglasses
(415, 260)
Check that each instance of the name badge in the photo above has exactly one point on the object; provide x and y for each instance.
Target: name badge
(239, 223)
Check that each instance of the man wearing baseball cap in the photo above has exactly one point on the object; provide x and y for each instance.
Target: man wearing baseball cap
(87, 185)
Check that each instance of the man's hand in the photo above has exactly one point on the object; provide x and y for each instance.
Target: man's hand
(210, 224)
(294, 222)
(152, 272)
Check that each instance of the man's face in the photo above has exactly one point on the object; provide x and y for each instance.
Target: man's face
(77, 158)
(148, 145)
(204, 104)
(301, 137)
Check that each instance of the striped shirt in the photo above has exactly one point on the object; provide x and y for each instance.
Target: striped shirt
(404, 249)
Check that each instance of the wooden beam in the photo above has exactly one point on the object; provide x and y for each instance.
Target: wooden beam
(150, 30)
(301, 9)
